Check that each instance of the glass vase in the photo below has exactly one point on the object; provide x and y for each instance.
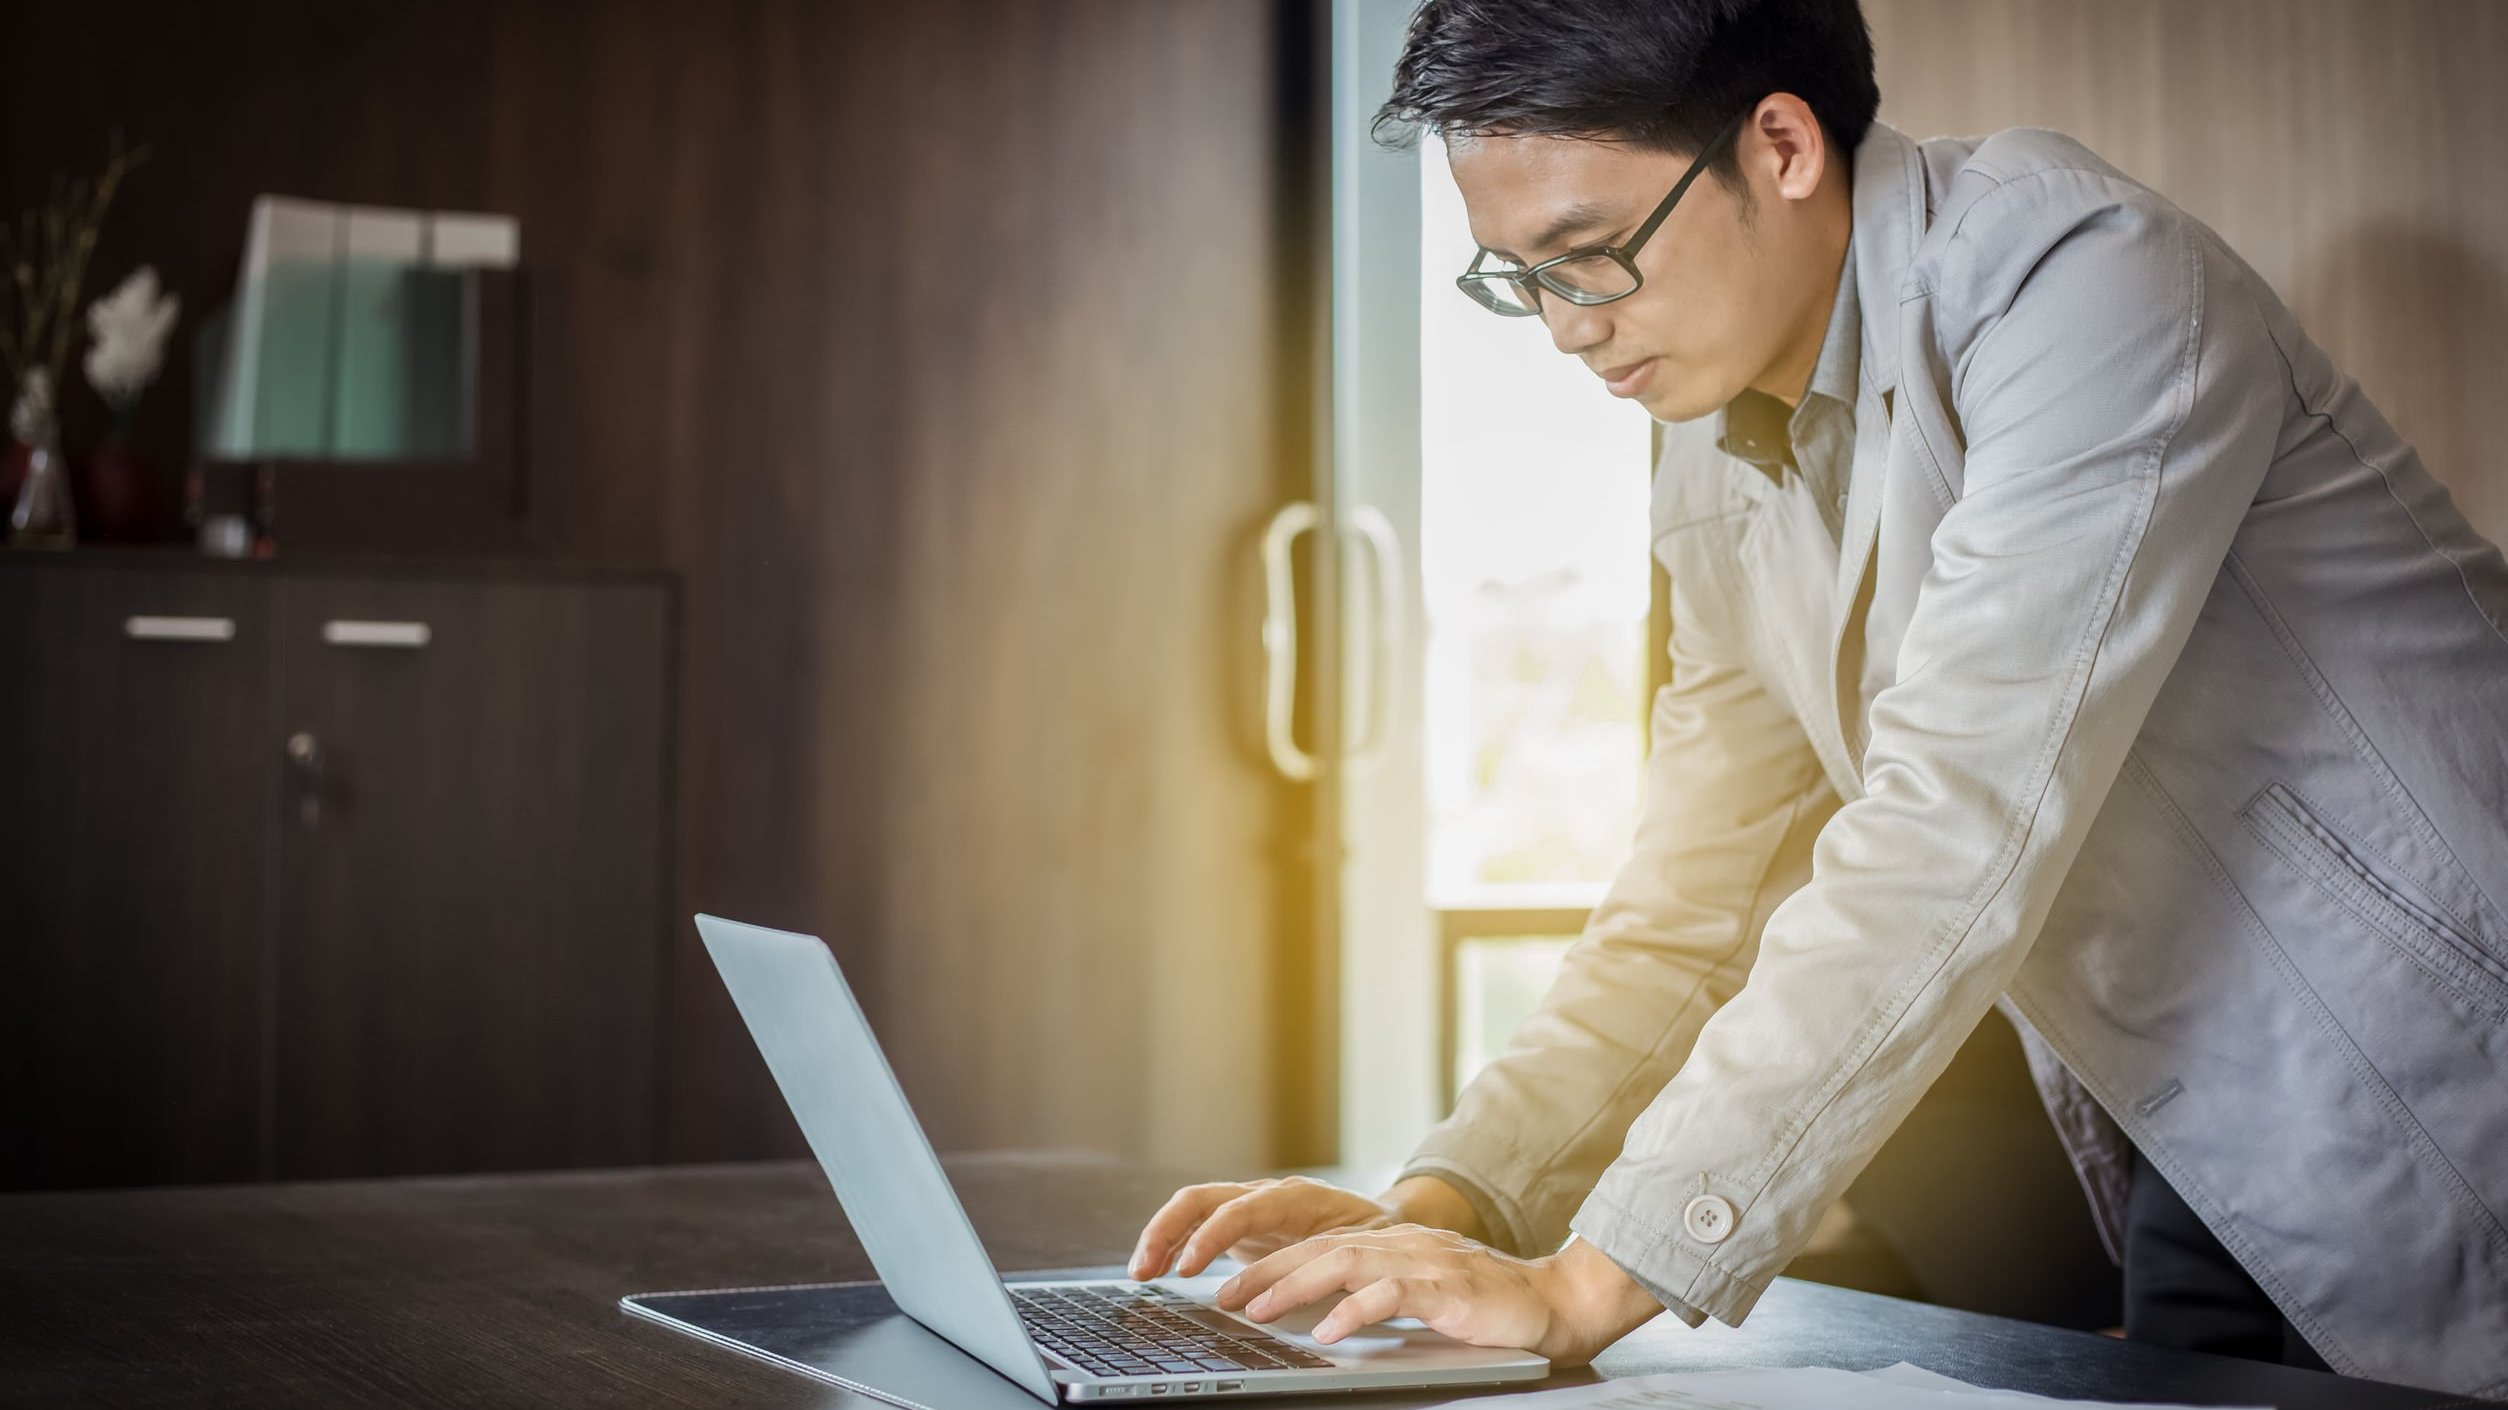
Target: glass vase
(43, 516)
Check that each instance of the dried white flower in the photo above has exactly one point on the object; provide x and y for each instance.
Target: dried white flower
(30, 415)
(129, 329)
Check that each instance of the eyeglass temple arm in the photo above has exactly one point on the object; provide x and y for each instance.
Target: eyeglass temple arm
(1706, 154)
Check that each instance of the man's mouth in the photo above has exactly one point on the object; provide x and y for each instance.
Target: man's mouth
(1628, 379)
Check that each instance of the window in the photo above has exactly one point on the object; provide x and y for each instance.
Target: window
(1477, 828)
(1534, 580)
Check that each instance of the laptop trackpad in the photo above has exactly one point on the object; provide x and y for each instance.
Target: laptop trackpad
(1404, 1339)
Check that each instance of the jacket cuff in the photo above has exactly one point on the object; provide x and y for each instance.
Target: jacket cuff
(1668, 1263)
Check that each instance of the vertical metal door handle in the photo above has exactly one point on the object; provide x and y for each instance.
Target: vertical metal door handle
(1389, 585)
(204, 629)
(1280, 642)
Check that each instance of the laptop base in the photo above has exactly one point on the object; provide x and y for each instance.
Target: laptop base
(846, 1334)
(851, 1335)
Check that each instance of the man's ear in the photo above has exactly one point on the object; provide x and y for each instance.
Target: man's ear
(1783, 147)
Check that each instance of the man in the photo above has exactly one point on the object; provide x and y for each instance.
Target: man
(2052, 625)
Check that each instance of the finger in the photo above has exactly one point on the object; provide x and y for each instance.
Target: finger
(1263, 1272)
(1238, 1218)
(1255, 1247)
(1174, 1220)
(1348, 1267)
(1382, 1301)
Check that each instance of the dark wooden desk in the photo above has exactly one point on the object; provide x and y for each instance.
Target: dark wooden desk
(502, 1290)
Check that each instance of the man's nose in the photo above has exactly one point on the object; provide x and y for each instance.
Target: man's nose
(1574, 328)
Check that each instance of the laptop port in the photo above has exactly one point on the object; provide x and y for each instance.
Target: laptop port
(1161, 1388)
(1228, 1385)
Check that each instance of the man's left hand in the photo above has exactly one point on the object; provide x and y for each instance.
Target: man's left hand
(1567, 1306)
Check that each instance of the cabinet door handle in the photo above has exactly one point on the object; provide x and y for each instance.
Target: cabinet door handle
(404, 636)
(179, 628)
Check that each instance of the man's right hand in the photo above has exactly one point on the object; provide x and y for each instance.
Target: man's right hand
(1254, 1218)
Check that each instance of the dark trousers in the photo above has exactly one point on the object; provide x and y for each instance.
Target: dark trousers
(2183, 1289)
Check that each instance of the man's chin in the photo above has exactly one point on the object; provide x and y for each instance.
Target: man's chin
(1675, 392)
(1675, 404)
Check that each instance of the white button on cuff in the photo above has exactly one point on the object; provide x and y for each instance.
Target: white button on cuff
(1709, 1219)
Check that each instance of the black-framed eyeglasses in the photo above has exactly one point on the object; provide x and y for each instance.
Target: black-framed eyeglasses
(1589, 274)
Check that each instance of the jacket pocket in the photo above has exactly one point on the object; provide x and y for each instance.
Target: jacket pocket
(2455, 960)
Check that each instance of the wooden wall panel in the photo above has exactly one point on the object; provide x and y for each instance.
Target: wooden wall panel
(2351, 150)
(951, 351)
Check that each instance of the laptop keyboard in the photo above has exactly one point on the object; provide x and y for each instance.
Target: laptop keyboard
(1135, 1330)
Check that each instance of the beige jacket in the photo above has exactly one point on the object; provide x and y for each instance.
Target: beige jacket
(2154, 689)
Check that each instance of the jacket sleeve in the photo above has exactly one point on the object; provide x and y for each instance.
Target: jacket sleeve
(1732, 797)
(2119, 399)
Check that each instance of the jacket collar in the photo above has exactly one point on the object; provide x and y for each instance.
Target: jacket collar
(1889, 205)
(1890, 215)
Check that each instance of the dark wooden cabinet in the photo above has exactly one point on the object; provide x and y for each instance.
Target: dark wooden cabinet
(132, 888)
(319, 872)
(483, 833)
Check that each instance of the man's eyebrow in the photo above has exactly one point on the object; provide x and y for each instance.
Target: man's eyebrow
(1584, 215)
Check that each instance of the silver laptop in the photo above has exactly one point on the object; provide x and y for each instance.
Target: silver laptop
(1061, 1341)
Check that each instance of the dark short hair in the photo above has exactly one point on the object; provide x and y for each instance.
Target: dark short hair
(1664, 74)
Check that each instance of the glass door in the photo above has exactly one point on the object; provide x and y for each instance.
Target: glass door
(1502, 715)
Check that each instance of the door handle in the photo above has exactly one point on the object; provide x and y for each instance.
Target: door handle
(1387, 597)
(406, 636)
(202, 629)
(1280, 642)
(1370, 530)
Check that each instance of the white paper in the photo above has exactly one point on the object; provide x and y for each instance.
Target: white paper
(1905, 1373)
(1899, 1387)
(1909, 1374)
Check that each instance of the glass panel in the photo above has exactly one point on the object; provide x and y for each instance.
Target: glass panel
(1533, 547)
(1498, 982)
(1391, 1059)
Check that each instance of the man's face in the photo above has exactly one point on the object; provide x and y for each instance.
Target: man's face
(1723, 298)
